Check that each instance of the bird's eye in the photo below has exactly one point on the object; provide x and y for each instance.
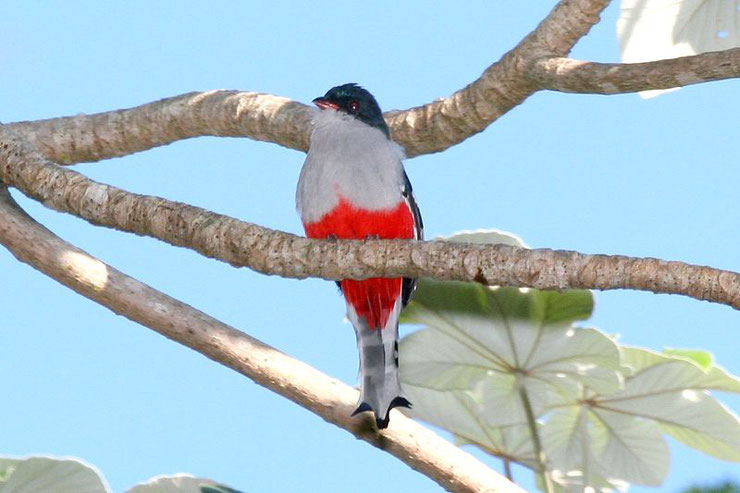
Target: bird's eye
(354, 106)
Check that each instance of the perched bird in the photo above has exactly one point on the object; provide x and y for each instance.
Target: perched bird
(353, 186)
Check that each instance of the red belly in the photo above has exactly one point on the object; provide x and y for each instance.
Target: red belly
(371, 298)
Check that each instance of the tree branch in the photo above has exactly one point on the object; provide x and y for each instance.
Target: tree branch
(534, 64)
(502, 86)
(430, 128)
(86, 138)
(568, 75)
(334, 401)
(273, 252)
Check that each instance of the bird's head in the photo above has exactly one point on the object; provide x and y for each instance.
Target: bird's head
(355, 101)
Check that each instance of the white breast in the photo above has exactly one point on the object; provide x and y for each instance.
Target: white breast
(350, 159)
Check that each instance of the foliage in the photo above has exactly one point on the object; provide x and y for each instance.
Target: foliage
(489, 360)
(64, 475)
(725, 487)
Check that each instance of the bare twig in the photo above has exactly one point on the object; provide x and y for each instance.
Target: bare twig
(567, 75)
(334, 401)
(274, 252)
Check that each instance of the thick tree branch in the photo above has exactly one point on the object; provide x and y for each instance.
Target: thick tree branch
(273, 252)
(534, 64)
(442, 124)
(568, 75)
(334, 401)
(86, 138)
(430, 128)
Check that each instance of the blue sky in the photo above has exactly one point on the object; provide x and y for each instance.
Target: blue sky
(595, 174)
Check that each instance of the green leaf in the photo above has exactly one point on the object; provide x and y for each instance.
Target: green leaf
(458, 412)
(604, 407)
(574, 482)
(673, 391)
(566, 439)
(630, 448)
(50, 475)
(485, 237)
(480, 338)
(180, 483)
(723, 487)
(702, 358)
(603, 443)
(218, 489)
(480, 345)
(692, 375)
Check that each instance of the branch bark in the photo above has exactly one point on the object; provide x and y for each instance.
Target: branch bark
(502, 86)
(334, 401)
(273, 252)
(535, 64)
(568, 75)
(430, 128)
(86, 138)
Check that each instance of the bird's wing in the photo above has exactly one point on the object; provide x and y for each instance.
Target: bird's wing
(408, 195)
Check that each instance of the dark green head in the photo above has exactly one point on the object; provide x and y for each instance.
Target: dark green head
(356, 101)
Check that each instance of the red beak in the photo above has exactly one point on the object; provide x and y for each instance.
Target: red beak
(324, 104)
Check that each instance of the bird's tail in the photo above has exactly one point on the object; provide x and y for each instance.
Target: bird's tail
(380, 388)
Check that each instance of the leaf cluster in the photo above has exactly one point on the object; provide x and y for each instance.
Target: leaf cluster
(508, 368)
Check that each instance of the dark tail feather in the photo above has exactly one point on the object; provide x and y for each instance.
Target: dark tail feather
(380, 387)
(382, 423)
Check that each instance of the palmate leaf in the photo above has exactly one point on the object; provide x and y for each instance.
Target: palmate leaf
(180, 483)
(492, 339)
(673, 391)
(603, 408)
(479, 344)
(602, 444)
(619, 434)
(457, 412)
(657, 29)
(486, 237)
(704, 359)
(574, 482)
(489, 340)
(64, 475)
(50, 475)
(709, 378)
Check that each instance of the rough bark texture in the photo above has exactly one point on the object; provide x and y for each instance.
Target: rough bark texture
(567, 75)
(85, 138)
(334, 401)
(430, 128)
(274, 252)
(535, 64)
